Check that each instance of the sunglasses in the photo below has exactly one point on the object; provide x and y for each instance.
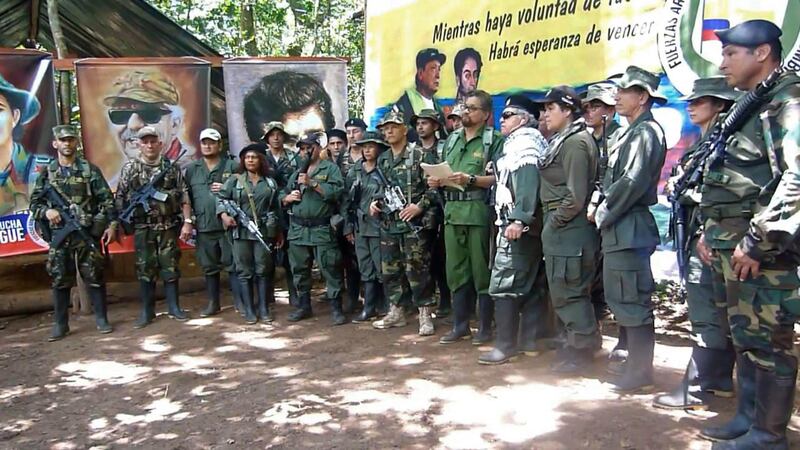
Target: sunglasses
(150, 116)
(508, 114)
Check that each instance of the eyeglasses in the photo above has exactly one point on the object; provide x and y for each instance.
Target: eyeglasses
(150, 116)
(471, 108)
(508, 114)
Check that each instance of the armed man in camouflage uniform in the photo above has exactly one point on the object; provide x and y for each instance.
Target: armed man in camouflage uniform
(710, 369)
(284, 162)
(427, 125)
(751, 210)
(406, 234)
(518, 261)
(361, 228)
(312, 199)
(156, 232)
(82, 186)
(469, 151)
(628, 230)
(204, 178)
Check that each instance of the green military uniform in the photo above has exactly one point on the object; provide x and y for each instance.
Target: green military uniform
(629, 233)
(213, 243)
(570, 242)
(711, 366)
(83, 188)
(259, 201)
(155, 233)
(363, 186)
(517, 264)
(311, 236)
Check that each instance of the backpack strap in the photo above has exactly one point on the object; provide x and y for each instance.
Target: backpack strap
(488, 138)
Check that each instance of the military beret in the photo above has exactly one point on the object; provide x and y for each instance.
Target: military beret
(63, 131)
(355, 122)
(257, 147)
(750, 33)
(429, 54)
(426, 114)
(524, 103)
(335, 132)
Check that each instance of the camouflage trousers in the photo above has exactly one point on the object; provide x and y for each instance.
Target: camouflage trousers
(406, 258)
(213, 252)
(762, 312)
(61, 263)
(329, 261)
(629, 285)
(157, 254)
(252, 259)
(705, 294)
(368, 251)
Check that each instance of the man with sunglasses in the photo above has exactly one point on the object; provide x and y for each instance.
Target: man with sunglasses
(466, 217)
(146, 99)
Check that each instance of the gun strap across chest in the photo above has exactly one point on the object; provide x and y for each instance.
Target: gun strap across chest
(245, 184)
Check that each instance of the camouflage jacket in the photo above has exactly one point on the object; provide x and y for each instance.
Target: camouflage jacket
(404, 171)
(751, 199)
(82, 185)
(163, 215)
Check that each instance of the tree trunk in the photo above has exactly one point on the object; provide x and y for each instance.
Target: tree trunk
(80, 302)
(247, 28)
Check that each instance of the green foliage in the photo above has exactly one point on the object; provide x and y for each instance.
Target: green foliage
(282, 28)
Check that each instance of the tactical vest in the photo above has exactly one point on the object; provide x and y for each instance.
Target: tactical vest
(167, 210)
(75, 188)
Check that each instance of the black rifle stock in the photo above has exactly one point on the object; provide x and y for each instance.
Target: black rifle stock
(141, 197)
(70, 223)
(244, 221)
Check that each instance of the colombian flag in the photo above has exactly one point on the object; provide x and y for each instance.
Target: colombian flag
(712, 25)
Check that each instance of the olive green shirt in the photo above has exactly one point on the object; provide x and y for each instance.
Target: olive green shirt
(468, 157)
(263, 196)
(204, 202)
(315, 205)
(362, 189)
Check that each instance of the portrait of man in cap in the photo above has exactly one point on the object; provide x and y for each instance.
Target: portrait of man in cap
(18, 168)
(426, 83)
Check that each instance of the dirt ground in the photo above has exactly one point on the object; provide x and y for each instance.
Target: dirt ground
(218, 383)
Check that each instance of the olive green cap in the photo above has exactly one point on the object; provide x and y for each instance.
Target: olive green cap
(426, 114)
(64, 131)
(711, 87)
(636, 76)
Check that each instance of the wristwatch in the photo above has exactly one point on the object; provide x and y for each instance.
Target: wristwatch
(471, 180)
(313, 184)
(189, 220)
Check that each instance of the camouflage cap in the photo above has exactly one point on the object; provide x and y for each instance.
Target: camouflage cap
(274, 125)
(26, 102)
(711, 87)
(373, 137)
(392, 116)
(64, 131)
(636, 76)
(602, 92)
(145, 87)
(457, 110)
(426, 114)
(146, 131)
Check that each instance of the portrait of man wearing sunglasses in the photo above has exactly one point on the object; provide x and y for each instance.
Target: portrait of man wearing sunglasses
(145, 99)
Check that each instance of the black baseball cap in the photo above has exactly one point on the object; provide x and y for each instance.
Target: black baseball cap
(564, 95)
(429, 54)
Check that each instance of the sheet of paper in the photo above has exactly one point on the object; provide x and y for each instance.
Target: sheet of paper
(441, 171)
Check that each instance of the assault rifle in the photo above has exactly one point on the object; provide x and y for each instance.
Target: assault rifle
(141, 197)
(244, 221)
(711, 153)
(69, 222)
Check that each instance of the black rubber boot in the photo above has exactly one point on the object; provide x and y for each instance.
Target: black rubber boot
(570, 360)
(485, 320)
(462, 307)
(293, 300)
(303, 310)
(537, 321)
(60, 314)
(773, 410)
(383, 302)
(506, 314)
(688, 394)
(262, 292)
(746, 403)
(236, 291)
(248, 308)
(212, 289)
(337, 316)
(716, 371)
(99, 302)
(353, 288)
(638, 376)
(147, 293)
(619, 354)
(372, 296)
(173, 304)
